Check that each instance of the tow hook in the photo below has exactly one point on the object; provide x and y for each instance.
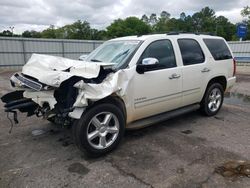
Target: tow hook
(19, 104)
(14, 118)
(15, 101)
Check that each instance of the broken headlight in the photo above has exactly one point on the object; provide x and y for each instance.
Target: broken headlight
(21, 81)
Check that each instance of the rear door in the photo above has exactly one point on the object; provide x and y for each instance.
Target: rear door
(195, 70)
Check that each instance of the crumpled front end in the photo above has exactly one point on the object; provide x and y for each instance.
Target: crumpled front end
(30, 96)
(60, 89)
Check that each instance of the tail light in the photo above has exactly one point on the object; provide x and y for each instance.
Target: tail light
(234, 71)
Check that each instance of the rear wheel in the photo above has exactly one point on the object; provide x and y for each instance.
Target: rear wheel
(213, 99)
(100, 129)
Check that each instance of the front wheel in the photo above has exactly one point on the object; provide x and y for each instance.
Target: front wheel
(100, 129)
(213, 99)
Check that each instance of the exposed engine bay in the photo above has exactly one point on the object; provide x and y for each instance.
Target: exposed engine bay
(59, 89)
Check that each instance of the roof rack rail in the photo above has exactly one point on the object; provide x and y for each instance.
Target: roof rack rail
(195, 33)
(208, 33)
(173, 33)
(181, 32)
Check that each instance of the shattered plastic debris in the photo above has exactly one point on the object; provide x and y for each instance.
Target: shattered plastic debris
(38, 132)
(233, 169)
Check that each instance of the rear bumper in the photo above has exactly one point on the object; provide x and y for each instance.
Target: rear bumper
(230, 82)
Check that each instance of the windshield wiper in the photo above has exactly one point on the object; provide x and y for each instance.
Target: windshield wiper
(95, 60)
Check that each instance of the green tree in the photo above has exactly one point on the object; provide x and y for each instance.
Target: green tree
(31, 34)
(245, 12)
(128, 26)
(145, 18)
(224, 28)
(6, 33)
(80, 30)
(98, 34)
(183, 16)
(161, 22)
(187, 24)
(77, 30)
(153, 19)
(204, 21)
(49, 33)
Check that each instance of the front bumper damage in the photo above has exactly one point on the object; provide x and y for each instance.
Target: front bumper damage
(35, 98)
(60, 89)
(15, 100)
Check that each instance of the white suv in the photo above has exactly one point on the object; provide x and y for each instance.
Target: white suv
(126, 83)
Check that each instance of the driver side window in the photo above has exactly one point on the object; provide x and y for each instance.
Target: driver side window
(163, 51)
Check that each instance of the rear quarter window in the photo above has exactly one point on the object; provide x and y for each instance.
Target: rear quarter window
(218, 49)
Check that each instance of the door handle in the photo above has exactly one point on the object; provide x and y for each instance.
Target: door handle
(205, 69)
(174, 76)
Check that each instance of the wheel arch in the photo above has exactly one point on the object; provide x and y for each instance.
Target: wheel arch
(217, 79)
(113, 99)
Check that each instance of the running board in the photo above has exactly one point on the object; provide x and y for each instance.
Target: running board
(161, 117)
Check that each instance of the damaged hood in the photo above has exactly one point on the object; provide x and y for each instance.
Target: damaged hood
(56, 71)
(53, 70)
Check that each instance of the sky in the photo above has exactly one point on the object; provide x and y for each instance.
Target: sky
(39, 14)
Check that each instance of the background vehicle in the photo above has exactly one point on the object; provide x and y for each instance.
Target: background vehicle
(142, 80)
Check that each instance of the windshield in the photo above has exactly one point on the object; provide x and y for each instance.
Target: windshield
(115, 52)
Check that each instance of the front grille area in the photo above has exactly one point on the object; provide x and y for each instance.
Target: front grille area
(20, 80)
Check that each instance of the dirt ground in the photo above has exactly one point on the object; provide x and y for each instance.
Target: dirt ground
(182, 152)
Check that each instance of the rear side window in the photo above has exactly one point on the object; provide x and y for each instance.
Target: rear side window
(218, 49)
(191, 52)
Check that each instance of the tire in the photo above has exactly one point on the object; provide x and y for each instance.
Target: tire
(212, 100)
(100, 129)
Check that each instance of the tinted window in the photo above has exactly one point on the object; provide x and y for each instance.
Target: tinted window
(163, 51)
(191, 52)
(218, 49)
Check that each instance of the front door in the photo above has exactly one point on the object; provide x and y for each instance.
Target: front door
(158, 90)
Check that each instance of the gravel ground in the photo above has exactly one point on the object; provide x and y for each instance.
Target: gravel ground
(182, 152)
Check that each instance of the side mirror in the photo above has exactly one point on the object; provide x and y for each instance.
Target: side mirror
(147, 65)
(150, 61)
